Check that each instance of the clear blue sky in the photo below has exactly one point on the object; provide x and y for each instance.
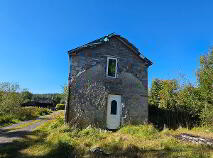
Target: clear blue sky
(34, 36)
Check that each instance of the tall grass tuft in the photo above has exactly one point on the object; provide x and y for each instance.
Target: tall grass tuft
(143, 131)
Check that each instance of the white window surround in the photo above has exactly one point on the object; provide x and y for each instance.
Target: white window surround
(108, 58)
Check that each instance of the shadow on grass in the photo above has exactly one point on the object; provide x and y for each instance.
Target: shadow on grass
(13, 149)
(135, 152)
(12, 134)
(161, 118)
(65, 150)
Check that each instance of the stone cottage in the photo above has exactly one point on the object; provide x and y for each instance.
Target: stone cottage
(108, 84)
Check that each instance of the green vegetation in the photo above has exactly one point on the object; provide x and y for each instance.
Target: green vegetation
(43, 100)
(55, 139)
(24, 125)
(23, 113)
(60, 107)
(171, 104)
(10, 105)
(187, 103)
(51, 98)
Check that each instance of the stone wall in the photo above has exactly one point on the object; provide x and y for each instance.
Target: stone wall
(90, 86)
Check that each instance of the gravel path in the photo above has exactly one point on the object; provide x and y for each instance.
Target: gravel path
(8, 135)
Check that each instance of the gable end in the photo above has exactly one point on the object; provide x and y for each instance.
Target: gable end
(106, 39)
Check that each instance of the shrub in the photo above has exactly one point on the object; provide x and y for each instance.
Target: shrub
(207, 115)
(43, 111)
(6, 119)
(58, 122)
(27, 113)
(23, 113)
(11, 100)
(94, 133)
(60, 107)
(146, 131)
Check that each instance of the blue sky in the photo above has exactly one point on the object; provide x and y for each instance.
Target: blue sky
(35, 35)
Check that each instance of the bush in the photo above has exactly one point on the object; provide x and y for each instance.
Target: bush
(207, 116)
(60, 107)
(145, 131)
(6, 119)
(58, 122)
(23, 113)
(11, 100)
(27, 113)
(43, 111)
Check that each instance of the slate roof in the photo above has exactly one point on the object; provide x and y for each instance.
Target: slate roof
(106, 38)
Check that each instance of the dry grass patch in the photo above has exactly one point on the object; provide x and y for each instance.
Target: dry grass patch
(54, 139)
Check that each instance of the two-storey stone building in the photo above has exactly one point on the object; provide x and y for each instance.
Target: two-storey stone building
(108, 80)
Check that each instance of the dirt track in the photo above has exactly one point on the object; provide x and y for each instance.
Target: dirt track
(19, 130)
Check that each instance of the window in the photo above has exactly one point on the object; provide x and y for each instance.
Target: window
(114, 107)
(111, 67)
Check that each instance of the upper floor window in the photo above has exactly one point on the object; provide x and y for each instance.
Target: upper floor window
(111, 67)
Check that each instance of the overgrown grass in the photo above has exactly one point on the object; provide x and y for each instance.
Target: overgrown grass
(60, 106)
(6, 120)
(33, 112)
(24, 125)
(23, 113)
(54, 139)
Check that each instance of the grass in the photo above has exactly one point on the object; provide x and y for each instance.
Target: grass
(23, 113)
(8, 122)
(54, 139)
(24, 125)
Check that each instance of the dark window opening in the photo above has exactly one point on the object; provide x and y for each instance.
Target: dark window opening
(112, 67)
(114, 107)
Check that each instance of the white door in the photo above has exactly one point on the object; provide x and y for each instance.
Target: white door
(113, 111)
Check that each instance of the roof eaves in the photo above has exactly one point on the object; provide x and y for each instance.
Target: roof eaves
(135, 50)
(92, 44)
(106, 39)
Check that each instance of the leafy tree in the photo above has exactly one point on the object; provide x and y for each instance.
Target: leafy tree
(189, 100)
(26, 96)
(10, 99)
(154, 96)
(205, 80)
(168, 94)
(163, 93)
(64, 95)
(56, 98)
(205, 77)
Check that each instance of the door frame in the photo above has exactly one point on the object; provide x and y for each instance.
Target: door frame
(113, 121)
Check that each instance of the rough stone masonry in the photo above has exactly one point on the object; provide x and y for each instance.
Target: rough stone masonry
(90, 85)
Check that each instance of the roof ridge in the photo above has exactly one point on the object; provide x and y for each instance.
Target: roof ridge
(105, 38)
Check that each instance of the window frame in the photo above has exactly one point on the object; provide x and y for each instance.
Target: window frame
(116, 65)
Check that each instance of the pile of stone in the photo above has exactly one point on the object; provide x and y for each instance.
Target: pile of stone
(195, 139)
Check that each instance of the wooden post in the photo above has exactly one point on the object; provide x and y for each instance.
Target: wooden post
(67, 108)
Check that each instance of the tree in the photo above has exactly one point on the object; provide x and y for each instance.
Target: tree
(10, 99)
(26, 96)
(189, 100)
(163, 93)
(168, 94)
(205, 80)
(205, 77)
(9, 87)
(154, 97)
(64, 95)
